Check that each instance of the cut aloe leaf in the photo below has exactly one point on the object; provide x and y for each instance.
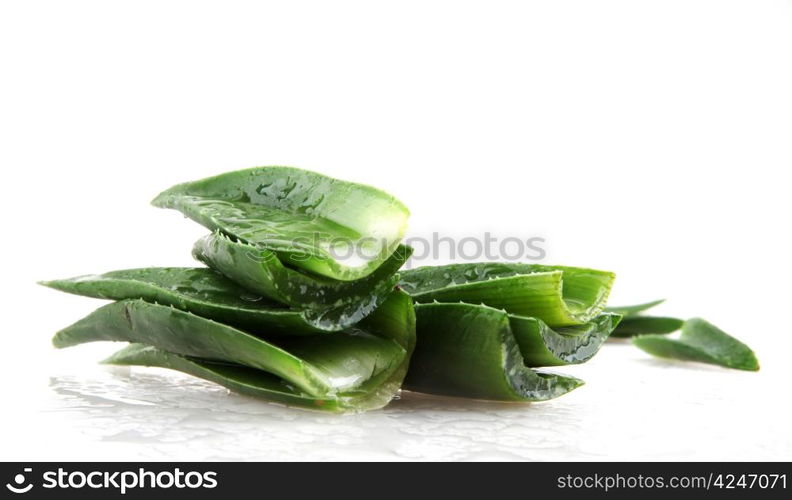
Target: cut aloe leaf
(558, 295)
(255, 383)
(480, 352)
(701, 341)
(635, 323)
(330, 227)
(326, 302)
(362, 365)
(200, 291)
(643, 325)
(541, 345)
(181, 332)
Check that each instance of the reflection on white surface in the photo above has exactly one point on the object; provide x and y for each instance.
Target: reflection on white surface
(203, 421)
(632, 407)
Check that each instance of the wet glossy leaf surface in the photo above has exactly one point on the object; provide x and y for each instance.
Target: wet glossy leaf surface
(241, 379)
(558, 295)
(479, 352)
(330, 227)
(359, 368)
(198, 290)
(327, 303)
(542, 345)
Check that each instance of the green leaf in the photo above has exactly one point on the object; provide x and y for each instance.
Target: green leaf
(480, 352)
(255, 383)
(634, 310)
(200, 291)
(360, 368)
(701, 341)
(631, 326)
(635, 323)
(558, 295)
(330, 227)
(541, 345)
(326, 302)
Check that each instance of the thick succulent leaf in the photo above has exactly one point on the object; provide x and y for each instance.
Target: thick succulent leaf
(366, 363)
(248, 381)
(701, 341)
(181, 332)
(558, 295)
(327, 303)
(643, 325)
(635, 323)
(394, 320)
(200, 291)
(330, 227)
(471, 351)
(541, 345)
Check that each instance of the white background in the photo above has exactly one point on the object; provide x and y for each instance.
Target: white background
(650, 138)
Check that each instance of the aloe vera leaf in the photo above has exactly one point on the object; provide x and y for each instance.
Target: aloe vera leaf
(470, 351)
(325, 366)
(394, 320)
(541, 345)
(635, 323)
(634, 310)
(338, 229)
(248, 381)
(701, 341)
(200, 291)
(642, 325)
(558, 295)
(326, 302)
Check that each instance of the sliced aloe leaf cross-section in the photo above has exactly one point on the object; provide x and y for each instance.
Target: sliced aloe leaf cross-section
(357, 369)
(542, 345)
(558, 295)
(477, 351)
(334, 228)
(326, 302)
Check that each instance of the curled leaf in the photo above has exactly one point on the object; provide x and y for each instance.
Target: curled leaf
(359, 368)
(326, 302)
(338, 229)
(480, 352)
(558, 295)
(541, 345)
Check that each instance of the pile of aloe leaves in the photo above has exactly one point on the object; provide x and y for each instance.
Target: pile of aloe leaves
(303, 301)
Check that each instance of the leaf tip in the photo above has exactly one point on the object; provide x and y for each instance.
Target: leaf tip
(58, 341)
